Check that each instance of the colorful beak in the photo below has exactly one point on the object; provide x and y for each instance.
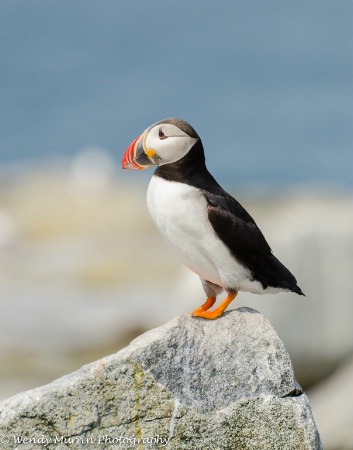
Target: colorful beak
(135, 156)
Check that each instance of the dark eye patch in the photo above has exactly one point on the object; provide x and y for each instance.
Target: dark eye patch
(161, 135)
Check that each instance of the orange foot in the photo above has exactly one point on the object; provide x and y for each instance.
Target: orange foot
(202, 311)
(207, 305)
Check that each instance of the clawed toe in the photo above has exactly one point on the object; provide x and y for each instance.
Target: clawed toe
(203, 310)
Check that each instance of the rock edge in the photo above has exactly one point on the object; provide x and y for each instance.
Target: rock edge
(191, 384)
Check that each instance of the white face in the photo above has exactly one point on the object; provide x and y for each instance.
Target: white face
(168, 142)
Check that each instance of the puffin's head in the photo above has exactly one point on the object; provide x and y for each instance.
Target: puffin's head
(164, 142)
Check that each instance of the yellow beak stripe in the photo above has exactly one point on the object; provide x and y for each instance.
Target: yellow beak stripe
(150, 152)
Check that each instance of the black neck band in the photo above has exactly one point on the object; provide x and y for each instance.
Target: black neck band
(191, 169)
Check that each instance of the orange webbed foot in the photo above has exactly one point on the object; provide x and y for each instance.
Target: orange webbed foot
(214, 313)
(207, 305)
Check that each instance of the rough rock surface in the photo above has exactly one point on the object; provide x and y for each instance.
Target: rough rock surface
(189, 384)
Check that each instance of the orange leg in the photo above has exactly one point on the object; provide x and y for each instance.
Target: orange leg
(207, 305)
(217, 311)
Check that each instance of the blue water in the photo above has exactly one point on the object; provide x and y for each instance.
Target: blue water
(267, 84)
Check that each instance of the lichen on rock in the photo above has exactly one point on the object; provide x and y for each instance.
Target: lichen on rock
(189, 384)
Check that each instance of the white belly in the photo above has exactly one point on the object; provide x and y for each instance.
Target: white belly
(180, 214)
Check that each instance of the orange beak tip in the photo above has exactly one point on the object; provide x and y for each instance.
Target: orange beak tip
(128, 161)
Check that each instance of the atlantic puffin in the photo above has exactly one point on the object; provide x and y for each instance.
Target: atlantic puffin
(212, 233)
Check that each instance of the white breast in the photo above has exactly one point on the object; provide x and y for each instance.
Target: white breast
(180, 213)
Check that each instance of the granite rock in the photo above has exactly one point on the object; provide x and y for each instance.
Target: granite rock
(189, 384)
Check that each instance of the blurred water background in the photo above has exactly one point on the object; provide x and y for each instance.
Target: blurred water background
(267, 85)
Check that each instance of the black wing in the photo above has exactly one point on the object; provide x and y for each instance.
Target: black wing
(238, 230)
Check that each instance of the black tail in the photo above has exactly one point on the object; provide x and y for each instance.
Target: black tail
(277, 275)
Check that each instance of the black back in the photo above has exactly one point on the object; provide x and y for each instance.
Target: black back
(230, 221)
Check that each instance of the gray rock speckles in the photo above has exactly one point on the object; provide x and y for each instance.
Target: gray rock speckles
(198, 384)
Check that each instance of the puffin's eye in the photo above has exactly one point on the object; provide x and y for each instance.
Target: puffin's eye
(161, 135)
